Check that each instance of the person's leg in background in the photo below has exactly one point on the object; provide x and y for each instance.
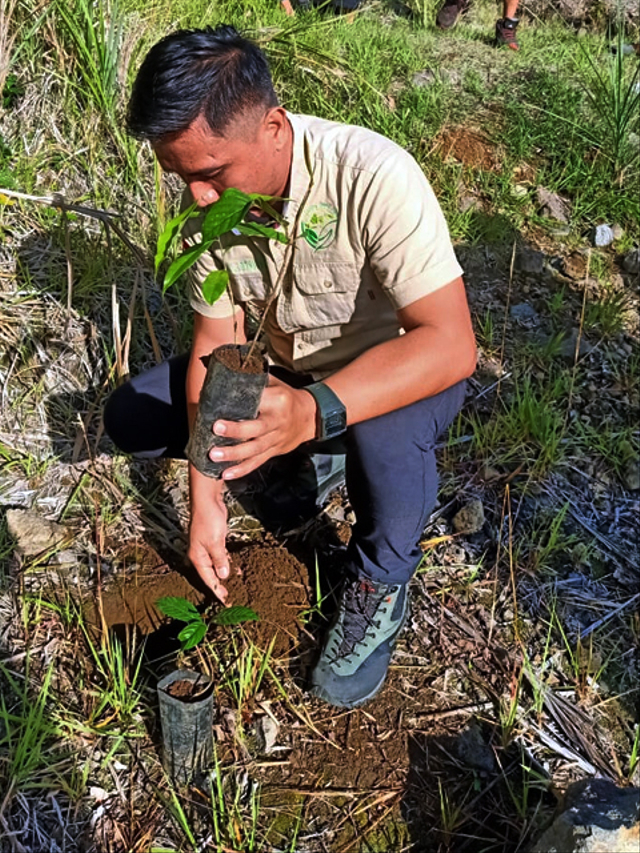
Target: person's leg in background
(507, 26)
(392, 486)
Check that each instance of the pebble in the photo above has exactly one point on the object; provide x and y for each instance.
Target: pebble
(470, 519)
(631, 475)
(603, 236)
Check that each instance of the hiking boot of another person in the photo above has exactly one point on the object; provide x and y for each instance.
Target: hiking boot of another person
(506, 33)
(448, 15)
(355, 657)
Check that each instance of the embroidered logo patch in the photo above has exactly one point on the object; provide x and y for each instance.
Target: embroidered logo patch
(319, 225)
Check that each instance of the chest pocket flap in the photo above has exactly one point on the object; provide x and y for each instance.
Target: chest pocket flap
(324, 293)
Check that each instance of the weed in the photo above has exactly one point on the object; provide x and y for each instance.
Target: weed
(196, 627)
(607, 315)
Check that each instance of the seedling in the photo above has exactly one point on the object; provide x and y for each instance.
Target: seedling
(224, 216)
(196, 626)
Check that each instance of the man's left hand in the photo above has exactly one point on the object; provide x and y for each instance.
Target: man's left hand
(286, 419)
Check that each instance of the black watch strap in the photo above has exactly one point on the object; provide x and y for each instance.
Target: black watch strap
(332, 415)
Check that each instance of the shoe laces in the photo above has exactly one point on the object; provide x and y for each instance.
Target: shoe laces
(360, 603)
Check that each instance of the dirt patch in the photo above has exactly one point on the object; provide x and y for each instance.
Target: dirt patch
(130, 599)
(231, 357)
(274, 584)
(468, 147)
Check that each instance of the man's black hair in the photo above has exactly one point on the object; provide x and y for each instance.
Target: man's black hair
(215, 73)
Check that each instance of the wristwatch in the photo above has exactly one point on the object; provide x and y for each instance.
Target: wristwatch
(331, 415)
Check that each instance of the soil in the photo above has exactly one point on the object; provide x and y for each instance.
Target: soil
(187, 690)
(231, 357)
(274, 584)
(129, 599)
(468, 147)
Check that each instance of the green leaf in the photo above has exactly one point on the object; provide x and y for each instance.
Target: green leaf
(214, 285)
(178, 608)
(235, 615)
(192, 634)
(170, 233)
(254, 229)
(225, 214)
(182, 263)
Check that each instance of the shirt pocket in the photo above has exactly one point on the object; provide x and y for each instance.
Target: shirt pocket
(324, 294)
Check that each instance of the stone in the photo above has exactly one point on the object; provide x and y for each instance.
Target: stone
(266, 734)
(424, 78)
(569, 344)
(469, 519)
(574, 265)
(552, 205)
(525, 315)
(603, 236)
(597, 817)
(520, 190)
(33, 533)
(631, 261)
(530, 261)
(618, 232)
(630, 475)
(487, 473)
(473, 751)
(469, 202)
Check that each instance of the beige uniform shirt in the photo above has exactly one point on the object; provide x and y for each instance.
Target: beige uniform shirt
(370, 239)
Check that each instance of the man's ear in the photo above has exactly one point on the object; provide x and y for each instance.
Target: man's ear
(275, 124)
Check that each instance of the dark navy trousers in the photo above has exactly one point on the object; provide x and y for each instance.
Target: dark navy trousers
(390, 460)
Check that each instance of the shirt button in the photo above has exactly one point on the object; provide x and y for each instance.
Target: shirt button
(328, 284)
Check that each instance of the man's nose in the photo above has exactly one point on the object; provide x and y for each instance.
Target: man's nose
(203, 194)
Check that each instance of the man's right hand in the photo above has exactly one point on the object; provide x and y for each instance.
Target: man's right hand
(208, 531)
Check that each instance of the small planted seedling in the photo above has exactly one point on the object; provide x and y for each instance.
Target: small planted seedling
(195, 625)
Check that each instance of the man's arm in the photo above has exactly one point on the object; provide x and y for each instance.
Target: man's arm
(208, 521)
(437, 351)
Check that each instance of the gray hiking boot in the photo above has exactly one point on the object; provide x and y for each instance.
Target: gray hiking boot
(355, 657)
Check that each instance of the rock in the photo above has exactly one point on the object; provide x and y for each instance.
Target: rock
(598, 817)
(552, 205)
(473, 751)
(266, 734)
(525, 315)
(470, 519)
(630, 475)
(618, 232)
(424, 78)
(33, 533)
(574, 265)
(631, 261)
(569, 344)
(469, 202)
(603, 236)
(530, 261)
(520, 190)
(487, 473)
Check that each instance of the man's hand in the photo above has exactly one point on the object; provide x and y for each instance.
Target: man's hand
(286, 419)
(208, 532)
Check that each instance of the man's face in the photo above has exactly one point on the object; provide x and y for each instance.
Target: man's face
(254, 156)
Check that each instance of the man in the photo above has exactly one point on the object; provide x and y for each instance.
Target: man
(370, 335)
(506, 26)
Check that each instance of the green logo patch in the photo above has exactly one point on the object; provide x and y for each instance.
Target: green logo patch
(319, 225)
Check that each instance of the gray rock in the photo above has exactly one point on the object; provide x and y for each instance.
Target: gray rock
(470, 519)
(603, 236)
(553, 206)
(530, 261)
(631, 261)
(33, 533)
(424, 78)
(631, 474)
(469, 202)
(525, 315)
(266, 734)
(598, 817)
(569, 344)
(473, 751)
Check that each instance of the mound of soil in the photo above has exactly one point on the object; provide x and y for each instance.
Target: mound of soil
(274, 584)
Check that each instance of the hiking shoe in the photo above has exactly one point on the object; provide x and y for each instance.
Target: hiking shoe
(355, 657)
(448, 15)
(506, 33)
